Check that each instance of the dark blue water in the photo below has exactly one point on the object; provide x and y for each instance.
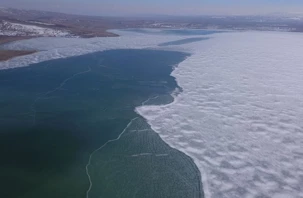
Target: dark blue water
(56, 113)
(182, 41)
(180, 32)
(190, 32)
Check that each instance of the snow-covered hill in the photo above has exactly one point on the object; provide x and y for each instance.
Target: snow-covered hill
(17, 29)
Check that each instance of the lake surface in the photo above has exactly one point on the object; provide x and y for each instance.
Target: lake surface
(56, 116)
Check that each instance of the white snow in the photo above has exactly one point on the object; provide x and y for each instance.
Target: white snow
(18, 29)
(41, 23)
(240, 114)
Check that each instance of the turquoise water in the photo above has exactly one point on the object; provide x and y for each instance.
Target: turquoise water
(56, 114)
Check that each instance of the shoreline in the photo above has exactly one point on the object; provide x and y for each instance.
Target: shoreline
(6, 55)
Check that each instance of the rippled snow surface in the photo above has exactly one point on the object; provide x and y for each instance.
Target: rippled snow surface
(240, 114)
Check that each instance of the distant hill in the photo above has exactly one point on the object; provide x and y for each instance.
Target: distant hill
(97, 26)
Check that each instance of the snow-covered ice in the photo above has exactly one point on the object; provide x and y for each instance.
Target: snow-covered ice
(240, 114)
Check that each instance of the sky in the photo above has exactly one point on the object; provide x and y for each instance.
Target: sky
(167, 7)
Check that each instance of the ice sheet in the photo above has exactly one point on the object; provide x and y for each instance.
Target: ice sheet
(240, 114)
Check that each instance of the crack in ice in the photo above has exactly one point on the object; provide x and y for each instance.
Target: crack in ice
(43, 95)
(146, 101)
(109, 141)
(98, 149)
